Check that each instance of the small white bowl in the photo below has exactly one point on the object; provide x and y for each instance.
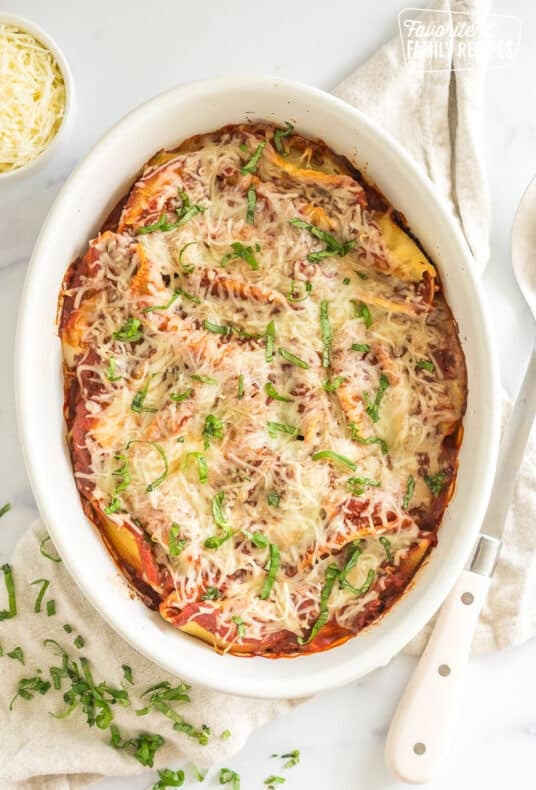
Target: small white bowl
(66, 125)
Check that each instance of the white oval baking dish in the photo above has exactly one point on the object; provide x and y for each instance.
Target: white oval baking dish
(85, 200)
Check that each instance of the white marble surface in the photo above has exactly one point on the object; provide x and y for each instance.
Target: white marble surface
(116, 66)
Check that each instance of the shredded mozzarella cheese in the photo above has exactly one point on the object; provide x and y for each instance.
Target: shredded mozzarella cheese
(178, 293)
(32, 97)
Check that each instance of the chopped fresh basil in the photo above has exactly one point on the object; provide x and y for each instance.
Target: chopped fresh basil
(27, 687)
(270, 338)
(228, 777)
(333, 247)
(124, 481)
(279, 134)
(127, 673)
(293, 758)
(130, 332)
(333, 384)
(179, 396)
(202, 466)
(217, 329)
(5, 509)
(364, 347)
(159, 480)
(213, 429)
(173, 298)
(44, 584)
(215, 541)
(258, 539)
(240, 389)
(217, 510)
(198, 773)
(332, 456)
(240, 627)
(435, 482)
(110, 373)
(138, 400)
(17, 654)
(410, 488)
(273, 498)
(354, 552)
(211, 594)
(44, 553)
(187, 210)
(292, 358)
(357, 485)
(346, 281)
(251, 166)
(187, 268)
(160, 695)
(252, 203)
(425, 364)
(79, 642)
(387, 547)
(279, 427)
(327, 337)
(271, 567)
(362, 311)
(184, 214)
(175, 543)
(143, 747)
(246, 254)
(365, 587)
(352, 556)
(271, 391)
(191, 297)
(68, 628)
(161, 224)
(362, 275)
(203, 379)
(292, 298)
(51, 607)
(332, 574)
(169, 778)
(373, 407)
(354, 430)
(113, 507)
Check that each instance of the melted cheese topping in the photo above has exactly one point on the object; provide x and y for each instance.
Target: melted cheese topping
(32, 97)
(374, 384)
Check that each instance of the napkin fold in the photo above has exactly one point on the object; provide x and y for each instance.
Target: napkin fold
(438, 117)
(63, 754)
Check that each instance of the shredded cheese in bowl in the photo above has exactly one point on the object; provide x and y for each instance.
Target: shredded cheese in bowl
(32, 97)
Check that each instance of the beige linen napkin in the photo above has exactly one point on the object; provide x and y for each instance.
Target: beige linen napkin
(66, 753)
(437, 116)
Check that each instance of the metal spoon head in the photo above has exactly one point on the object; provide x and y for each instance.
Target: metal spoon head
(523, 246)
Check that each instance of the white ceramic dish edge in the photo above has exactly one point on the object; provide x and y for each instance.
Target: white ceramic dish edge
(84, 202)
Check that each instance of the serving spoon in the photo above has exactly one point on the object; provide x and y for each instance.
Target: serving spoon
(422, 727)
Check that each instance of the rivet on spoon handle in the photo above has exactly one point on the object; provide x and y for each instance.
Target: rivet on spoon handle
(422, 728)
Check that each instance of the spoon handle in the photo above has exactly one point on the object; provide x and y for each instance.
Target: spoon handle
(513, 444)
(423, 726)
